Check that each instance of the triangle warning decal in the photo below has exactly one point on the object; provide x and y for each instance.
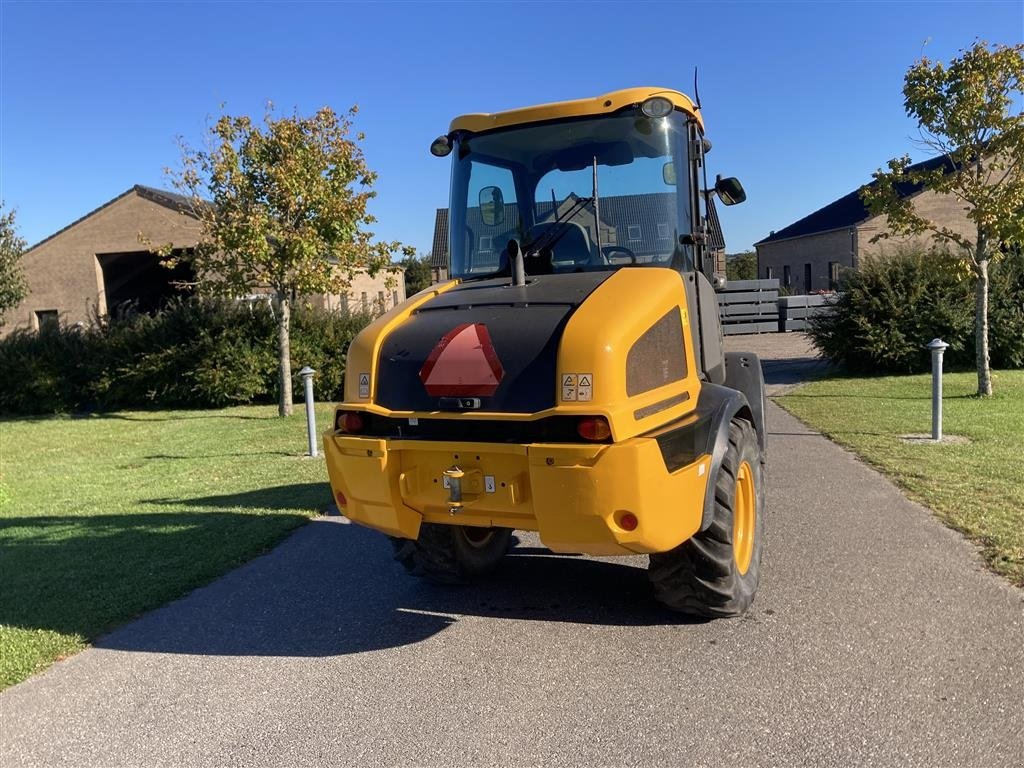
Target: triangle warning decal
(463, 364)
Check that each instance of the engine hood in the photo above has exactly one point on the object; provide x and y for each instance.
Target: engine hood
(483, 345)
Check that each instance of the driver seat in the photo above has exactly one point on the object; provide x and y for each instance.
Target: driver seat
(570, 251)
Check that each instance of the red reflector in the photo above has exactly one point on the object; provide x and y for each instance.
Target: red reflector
(351, 423)
(628, 522)
(594, 428)
(340, 497)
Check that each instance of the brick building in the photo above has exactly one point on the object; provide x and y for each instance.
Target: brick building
(809, 254)
(98, 262)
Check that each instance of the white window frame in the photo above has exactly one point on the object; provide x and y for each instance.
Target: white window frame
(486, 244)
(629, 232)
(664, 233)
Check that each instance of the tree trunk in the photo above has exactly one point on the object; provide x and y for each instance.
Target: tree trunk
(981, 328)
(284, 355)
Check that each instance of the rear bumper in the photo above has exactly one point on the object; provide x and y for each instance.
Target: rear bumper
(574, 495)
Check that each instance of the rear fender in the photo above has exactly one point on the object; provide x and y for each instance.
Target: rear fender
(704, 432)
(743, 373)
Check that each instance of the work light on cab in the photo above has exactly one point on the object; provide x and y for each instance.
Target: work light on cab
(656, 107)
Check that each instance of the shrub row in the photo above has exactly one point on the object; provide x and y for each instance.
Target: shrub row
(194, 353)
(891, 306)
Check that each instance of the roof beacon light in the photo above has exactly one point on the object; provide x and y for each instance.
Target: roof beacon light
(441, 147)
(656, 106)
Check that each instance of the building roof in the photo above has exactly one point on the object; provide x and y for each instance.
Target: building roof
(162, 197)
(638, 210)
(849, 210)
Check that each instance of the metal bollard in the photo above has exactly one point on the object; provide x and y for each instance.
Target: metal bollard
(937, 346)
(307, 382)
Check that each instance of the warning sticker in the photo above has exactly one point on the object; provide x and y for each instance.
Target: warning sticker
(364, 385)
(568, 386)
(585, 387)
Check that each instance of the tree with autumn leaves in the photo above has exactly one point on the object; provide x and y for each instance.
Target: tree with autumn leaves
(283, 208)
(968, 111)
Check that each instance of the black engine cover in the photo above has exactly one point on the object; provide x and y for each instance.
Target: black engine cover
(524, 324)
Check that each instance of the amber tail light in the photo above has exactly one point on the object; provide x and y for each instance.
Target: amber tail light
(594, 428)
(350, 422)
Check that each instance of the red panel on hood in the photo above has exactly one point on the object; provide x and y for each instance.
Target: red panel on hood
(463, 364)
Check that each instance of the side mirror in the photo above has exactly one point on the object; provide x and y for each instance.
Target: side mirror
(729, 190)
(492, 206)
(668, 173)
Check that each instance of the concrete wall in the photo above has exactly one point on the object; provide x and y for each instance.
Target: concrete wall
(63, 273)
(818, 250)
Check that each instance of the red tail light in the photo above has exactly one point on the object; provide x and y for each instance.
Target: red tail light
(351, 422)
(594, 428)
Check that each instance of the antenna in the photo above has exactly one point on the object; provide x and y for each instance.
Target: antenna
(696, 93)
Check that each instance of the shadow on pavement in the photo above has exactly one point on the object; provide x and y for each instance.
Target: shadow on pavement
(333, 588)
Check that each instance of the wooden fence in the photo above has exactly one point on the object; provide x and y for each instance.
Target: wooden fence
(749, 306)
(754, 306)
(796, 311)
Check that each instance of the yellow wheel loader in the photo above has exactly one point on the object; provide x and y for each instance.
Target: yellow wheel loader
(569, 378)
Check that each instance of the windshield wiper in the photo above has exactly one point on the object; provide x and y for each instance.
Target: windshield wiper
(553, 234)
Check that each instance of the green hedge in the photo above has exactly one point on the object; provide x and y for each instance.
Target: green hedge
(891, 306)
(194, 353)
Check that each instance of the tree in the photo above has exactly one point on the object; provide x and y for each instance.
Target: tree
(964, 113)
(283, 207)
(13, 287)
(417, 273)
(741, 266)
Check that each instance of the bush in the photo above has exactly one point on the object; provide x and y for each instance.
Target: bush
(192, 353)
(894, 304)
(891, 306)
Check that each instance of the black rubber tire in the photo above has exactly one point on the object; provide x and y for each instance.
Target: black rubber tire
(453, 554)
(700, 576)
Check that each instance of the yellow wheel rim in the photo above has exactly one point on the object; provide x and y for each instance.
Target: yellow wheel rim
(744, 518)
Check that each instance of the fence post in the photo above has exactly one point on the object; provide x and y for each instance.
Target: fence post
(937, 346)
(307, 382)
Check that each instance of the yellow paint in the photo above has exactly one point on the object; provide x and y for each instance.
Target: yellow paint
(599, 105)
(744, 518)
(571, 493)
(598, 338)
(364, 349)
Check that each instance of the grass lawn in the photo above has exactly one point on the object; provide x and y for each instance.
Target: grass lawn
(104, 517)
(977, 488)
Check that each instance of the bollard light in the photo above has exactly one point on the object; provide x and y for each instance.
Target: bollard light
(937, 346)
(307, 383)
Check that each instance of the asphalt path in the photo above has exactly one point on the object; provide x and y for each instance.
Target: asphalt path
(877, 638)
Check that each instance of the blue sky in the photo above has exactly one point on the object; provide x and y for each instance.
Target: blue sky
(801, 100)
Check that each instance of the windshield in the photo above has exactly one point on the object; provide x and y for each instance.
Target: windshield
(577, 195)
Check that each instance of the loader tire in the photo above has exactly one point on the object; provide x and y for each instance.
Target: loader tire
(453, 554)
(715, 573)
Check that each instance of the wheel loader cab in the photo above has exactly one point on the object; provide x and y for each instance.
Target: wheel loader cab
(569, 379)
(582, 193)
